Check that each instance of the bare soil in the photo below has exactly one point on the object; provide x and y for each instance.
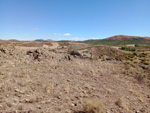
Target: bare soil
(47, 79)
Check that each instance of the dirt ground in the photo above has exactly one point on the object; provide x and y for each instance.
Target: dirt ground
(49, 80)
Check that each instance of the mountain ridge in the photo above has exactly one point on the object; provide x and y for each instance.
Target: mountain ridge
(125, 37)
(120, 40)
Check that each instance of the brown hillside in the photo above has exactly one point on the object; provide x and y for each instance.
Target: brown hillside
(44, 77)
(123, 37)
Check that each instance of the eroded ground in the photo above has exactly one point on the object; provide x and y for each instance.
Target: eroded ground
(47, 79)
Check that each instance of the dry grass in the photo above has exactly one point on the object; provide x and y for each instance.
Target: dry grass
(92, 106)
(122, 104)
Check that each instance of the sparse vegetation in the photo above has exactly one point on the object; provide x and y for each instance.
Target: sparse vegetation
(74, 52)
(121, 104)
(143, 54)
(128, 48)
(64, 81)
(92, 106)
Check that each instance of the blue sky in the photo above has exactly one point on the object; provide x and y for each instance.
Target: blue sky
(73, 19)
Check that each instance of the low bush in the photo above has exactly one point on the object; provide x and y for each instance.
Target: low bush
(74, 52)
(128, 48)
(92, 106)
(129, 56)
(143, 55)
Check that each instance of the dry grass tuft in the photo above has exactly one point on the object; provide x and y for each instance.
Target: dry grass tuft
(121, 104)
(92, 106)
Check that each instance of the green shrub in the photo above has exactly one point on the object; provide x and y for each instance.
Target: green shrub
(143, 55)
(129, 56)
(146, 63)
(100, 57)
(128, 48)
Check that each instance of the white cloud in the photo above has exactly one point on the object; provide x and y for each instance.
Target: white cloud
(28, 34)
(36, 29)
(57, 34)
(67, 34)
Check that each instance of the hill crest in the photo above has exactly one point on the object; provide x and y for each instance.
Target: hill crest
(124, 37)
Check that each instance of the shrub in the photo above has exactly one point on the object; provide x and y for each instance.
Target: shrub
(143, 55)
(129, 56)
(140, 78)
(92, 106)
(101, 58)
(121, 104)
(128, 48)
(135, 54)
(146, 63)
(74, 52)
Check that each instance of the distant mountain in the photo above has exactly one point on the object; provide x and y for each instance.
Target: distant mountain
(123, 37)
(13, 40)
(49, 40)
(10, 40)
(120, 40)
(42, 40)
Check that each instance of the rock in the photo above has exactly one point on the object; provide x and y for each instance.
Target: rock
(30, 100)
(38, 106)
(108, 112)
(3, 50)
(29, 52)
(1, 106)
(35, 54)
(58, 97)
(74, 104)
(20, 91)
(20, 107)
(67, 57)
(144, 67)
(9, 104)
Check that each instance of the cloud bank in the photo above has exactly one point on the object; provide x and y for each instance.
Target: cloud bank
(67, 34)
(58, 34)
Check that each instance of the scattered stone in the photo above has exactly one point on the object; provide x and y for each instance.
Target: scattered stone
(39, 107)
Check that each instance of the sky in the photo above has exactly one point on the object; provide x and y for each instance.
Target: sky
(73, 19)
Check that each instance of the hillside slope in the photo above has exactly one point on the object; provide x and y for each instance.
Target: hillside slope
(120, 40)
(124, 37)
(48, 80)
